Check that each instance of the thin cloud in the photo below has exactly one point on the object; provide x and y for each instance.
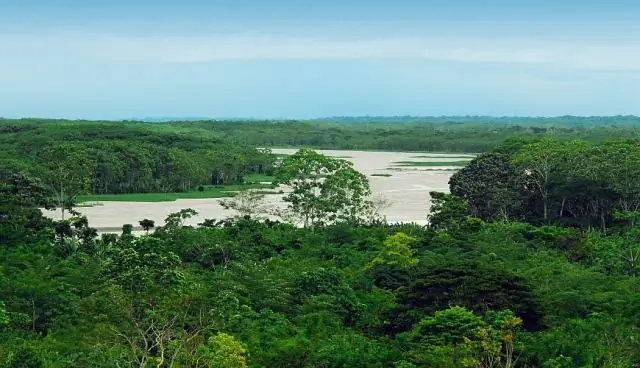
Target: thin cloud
(578, 54)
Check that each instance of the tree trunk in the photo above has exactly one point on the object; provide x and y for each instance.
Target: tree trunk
(33, 315)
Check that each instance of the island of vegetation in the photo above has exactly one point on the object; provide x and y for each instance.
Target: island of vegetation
(531, 259)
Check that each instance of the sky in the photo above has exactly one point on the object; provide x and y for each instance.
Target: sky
(307, 59)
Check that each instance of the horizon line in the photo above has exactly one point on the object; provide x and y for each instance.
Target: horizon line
(226, 119)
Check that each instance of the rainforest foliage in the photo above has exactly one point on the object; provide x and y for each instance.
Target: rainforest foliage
(545, 181)
(445, 134)
(436, 134)
(531, 261)
(124, 157)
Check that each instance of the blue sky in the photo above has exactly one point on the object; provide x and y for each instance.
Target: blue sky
(303, 59)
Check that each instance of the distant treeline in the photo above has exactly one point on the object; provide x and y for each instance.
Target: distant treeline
(118, 157)
(461, 134)
(139, 157)
(514, 120)
(447, 134)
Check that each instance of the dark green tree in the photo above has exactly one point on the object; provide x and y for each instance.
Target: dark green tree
(147, 225)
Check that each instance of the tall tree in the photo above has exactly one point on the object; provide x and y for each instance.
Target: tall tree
(622, 161)
(20, 197)
(248, 202)
(323, 189)
(489, 185)
(538, 162)
(67, 174)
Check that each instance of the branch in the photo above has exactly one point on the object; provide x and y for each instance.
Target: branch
(134, 348)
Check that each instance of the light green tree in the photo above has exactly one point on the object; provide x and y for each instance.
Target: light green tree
(323, 189)
(456, 337)
(222, 351)
(620, 168)
(396, 252)
(494, 344)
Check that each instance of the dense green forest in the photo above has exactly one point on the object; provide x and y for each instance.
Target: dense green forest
(75, 158)
(531, 261)
(130, 157)
(447, 134)
(86, 160)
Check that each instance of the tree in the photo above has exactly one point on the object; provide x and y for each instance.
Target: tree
(397, 252)
(63, 230)
(155, 308)
(26, 357)
(375, 206)
(181, 169)
(222, 350)
(247, 203)
(538, 162)
(448, 326)
(20, 197)
(177, 220)
(618, 164)
(579, 194)
(473, 285)
(390, 267)
(488, 184)
(494, 345)
(457, 337)
(67, 174)
(21, 189)
(323, 189)
(619, 251)
(448, 212)
(147, 224)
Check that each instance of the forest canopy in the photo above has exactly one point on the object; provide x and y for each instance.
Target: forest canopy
(74, 158)
(441, 134)
(531, 260)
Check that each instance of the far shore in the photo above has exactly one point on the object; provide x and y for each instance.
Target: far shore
(406, 191)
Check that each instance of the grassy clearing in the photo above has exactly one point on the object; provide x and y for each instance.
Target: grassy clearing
(258, 178)
(432, 163)
(208, 192)
(384, 175)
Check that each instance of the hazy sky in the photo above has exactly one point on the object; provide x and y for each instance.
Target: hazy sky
(275, 58)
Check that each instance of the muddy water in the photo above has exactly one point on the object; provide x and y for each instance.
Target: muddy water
(406, 192)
